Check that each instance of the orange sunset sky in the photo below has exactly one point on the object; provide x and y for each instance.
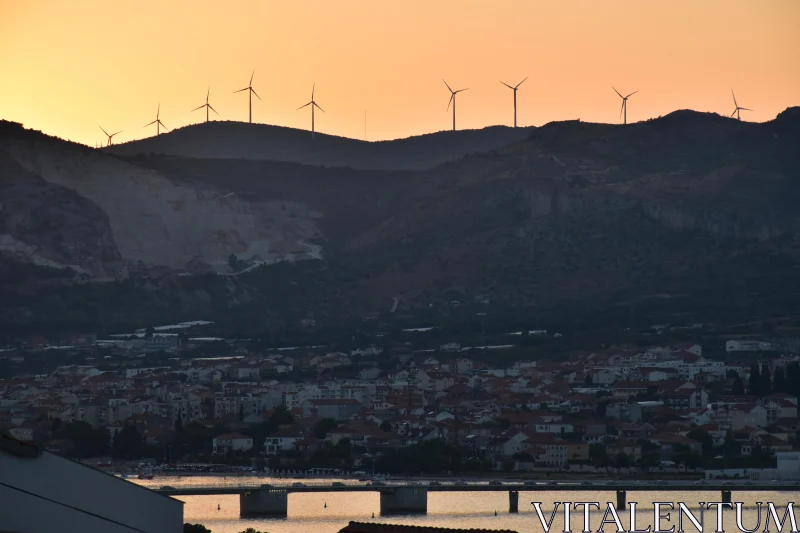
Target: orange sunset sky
(68, 66)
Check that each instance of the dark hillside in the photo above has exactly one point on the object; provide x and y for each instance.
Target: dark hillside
(691, 216)
(237, 140)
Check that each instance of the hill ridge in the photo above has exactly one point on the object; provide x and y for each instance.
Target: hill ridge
(237, 140)
(568, 218)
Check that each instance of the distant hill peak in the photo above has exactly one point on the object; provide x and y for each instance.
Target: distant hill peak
(233, 126)
(237, 140)
(789, 114)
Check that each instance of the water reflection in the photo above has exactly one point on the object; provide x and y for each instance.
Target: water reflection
(328, 512)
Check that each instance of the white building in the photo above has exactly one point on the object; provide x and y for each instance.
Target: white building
(464, 366)
(788, 465)
(371, 351)
(232, 442)
(282, 442)
(748, 346)
(603, 376)
(246, 372)
(558, 428)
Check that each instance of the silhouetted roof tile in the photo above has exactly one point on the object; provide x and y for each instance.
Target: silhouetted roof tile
(373, 527)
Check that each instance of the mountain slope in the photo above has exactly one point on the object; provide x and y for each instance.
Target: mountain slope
(156, 221)
(238, 140)
(585, 211)
(689, 215)
(39, 222)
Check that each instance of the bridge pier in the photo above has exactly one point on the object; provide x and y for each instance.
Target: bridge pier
(726, 496)
(622, 498)
(404, 500)
(513, 501)
(264, 502)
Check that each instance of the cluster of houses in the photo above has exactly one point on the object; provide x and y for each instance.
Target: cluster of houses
(632, 402)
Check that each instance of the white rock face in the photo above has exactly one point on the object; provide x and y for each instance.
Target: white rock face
(32, 254)
(160, 222)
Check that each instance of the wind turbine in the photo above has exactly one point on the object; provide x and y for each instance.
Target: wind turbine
(206, 105)
(313, 104)
(109, 136)
(252, 92)
(514, 88)
(737, 109)
(453, 101)
(158, 122)
(624, 108)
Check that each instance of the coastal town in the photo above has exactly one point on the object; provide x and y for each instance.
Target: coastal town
(160, 398)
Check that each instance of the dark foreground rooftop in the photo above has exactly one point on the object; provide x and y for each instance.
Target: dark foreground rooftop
(374, 527)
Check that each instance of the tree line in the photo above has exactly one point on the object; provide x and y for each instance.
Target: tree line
(762, 383)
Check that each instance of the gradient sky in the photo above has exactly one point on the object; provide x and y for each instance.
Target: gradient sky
(67, 66)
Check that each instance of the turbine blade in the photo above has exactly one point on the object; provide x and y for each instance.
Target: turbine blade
(104, 131)
(448, 87)
(255, 93)
(744, 109)
(240, 90)
(163, 126)
(159, 110)
(251, 77)
(120, 131)
(734, 98)
(452, 97)
(462, 90)
(621, 108)
(201, 107)
(149, 124)
(616, 91)
(634, 92)
(212, 109)
(208, 93)
(318, 107)
(520, 83)
(734, 111)
(302, 106)
(507, 85)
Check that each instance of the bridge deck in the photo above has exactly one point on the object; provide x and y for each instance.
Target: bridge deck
(521, 487)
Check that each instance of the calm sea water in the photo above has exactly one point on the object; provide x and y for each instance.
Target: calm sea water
(308, 511)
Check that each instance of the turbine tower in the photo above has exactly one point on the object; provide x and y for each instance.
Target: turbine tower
(158, 122)
(313, 104)
(252, 92)
(623, 112)
(514, 88)
(737, 108)
(206, 105)
(109, 136)
(453, 101)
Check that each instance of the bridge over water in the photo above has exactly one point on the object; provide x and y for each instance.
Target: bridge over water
(257, 499)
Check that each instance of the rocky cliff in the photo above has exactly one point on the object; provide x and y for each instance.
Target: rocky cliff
(151, 219)
(51, 225)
